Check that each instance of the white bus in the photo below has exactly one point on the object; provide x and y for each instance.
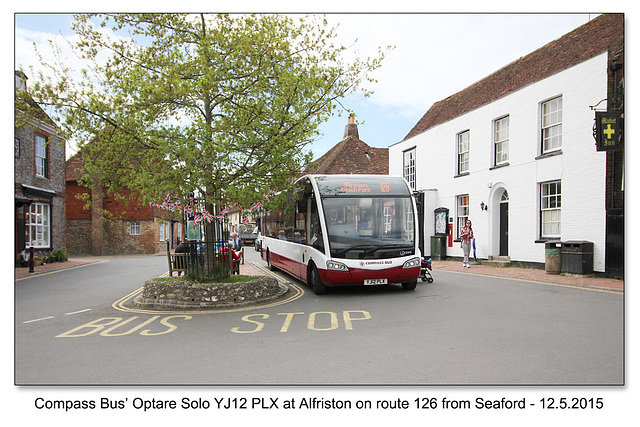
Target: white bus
(344, 230)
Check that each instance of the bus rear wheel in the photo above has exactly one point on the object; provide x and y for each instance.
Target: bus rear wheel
(271, 267)
(315, 282)
(410, 286)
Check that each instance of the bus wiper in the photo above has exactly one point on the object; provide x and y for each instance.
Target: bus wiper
(375, 249)
(350, 248)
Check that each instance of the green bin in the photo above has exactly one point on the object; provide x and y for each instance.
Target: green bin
(438, 248)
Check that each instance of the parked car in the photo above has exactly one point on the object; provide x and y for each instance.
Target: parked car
(249, 238)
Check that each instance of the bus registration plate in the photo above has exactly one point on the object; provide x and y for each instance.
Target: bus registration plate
(375, 281)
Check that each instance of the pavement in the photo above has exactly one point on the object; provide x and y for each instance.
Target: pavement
(21, 272)
(528, 274)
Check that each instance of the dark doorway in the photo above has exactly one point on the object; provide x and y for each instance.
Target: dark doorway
(614, 250)
(419, 197)
(504, 225)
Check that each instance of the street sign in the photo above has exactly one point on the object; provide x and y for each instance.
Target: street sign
(608, 131)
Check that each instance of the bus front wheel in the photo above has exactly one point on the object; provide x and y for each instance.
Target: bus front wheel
(315, 281)
(410, 286)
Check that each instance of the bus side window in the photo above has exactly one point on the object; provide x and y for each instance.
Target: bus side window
(315, 230)
(301, 215)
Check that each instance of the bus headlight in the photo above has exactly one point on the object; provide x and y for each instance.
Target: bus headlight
(336, 266)
(413, 262)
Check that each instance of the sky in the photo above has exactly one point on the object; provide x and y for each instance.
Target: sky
(434, 55)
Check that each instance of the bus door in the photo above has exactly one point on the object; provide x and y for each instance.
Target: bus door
(301, 233)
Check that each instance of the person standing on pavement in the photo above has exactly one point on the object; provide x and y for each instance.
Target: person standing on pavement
(466, 235)
(236, 243)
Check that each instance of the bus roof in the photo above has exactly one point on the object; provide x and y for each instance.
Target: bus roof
(361, 185)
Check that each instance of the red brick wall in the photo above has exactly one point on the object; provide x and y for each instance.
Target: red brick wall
(75, 206)
(128, 212)
(131, 211)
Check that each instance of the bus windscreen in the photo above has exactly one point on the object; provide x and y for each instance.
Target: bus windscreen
(369, 227)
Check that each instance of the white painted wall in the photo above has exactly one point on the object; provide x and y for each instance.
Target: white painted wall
(580, 167)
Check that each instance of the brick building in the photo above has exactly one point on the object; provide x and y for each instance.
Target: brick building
(516, 153)
(131, 229)
(352, 156)
(39, 182)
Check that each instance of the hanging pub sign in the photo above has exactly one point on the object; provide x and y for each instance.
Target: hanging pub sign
(193, 231)
(608, 131)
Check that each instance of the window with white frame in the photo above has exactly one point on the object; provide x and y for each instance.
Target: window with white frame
(551, 125)
(550, 207)
(463, 152)
(462, 210)
(387, 213)
(409, 169)
(134, 228)
(501, 140)
(38, 226)
(164, 231)
(41, 155)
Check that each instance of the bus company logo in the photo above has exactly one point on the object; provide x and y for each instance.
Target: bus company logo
(363, 263)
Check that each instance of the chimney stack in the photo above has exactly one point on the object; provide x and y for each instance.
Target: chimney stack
(351, 129)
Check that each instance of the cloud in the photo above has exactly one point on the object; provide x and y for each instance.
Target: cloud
(437, 55)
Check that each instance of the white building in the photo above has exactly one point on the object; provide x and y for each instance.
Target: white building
(520, 143)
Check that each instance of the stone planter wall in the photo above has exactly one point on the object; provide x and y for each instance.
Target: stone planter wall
(163, 294)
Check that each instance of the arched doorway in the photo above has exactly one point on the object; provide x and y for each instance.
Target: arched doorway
(504, 224)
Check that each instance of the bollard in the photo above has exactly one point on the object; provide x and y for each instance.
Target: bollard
(31, 259)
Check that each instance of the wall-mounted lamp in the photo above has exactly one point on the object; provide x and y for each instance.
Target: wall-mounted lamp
(483, 207)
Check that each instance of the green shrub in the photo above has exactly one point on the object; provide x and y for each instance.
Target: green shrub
(60, 255)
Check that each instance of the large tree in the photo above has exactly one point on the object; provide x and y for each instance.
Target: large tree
(219, 105)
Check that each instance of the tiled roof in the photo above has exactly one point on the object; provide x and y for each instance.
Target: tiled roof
(352, 156)
(25, 101)
(72, 166)
(604, 33)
